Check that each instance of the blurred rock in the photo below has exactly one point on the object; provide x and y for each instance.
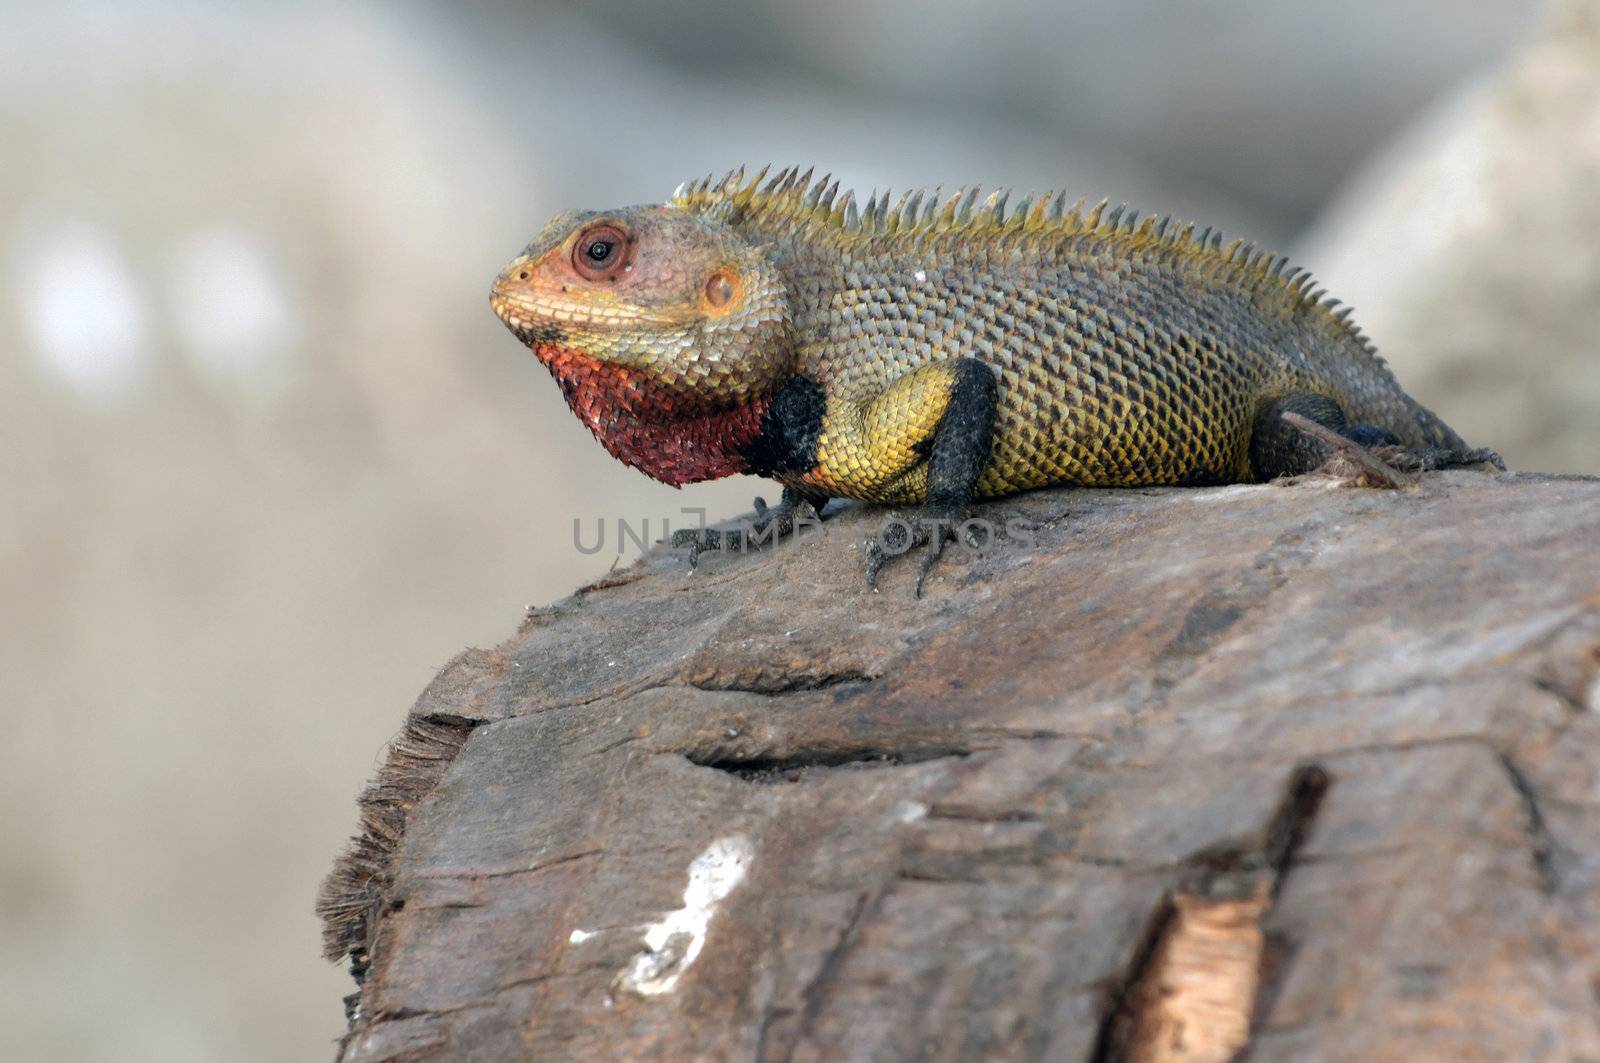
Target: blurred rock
(1471, 251)
(1274, 103)
(654, 120)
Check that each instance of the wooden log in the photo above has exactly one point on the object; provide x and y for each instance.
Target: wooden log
(1256, 772)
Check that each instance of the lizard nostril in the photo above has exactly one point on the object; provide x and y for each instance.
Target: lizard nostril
(522, 276)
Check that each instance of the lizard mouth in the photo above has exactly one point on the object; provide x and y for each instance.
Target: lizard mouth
(527, 328)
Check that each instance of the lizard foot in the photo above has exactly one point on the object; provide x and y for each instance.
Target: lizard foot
(930, 527)
(1372, 456)
(1426, 459)
(772, 523)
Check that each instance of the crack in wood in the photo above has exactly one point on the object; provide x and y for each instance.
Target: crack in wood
(924, 875)
(471, 874)
(1542, 843)
(801, 765)
(1116, 1021)
(1569, 700)
(815, 993)
(966, 814)
(1201, 971)
(1290, 824)
(769, 684)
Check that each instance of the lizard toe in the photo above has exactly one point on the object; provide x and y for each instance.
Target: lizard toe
(930, 528)
(895, 536)
(930, 554)
(698, 541)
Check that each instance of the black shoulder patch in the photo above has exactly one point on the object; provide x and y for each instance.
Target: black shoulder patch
(790, 427)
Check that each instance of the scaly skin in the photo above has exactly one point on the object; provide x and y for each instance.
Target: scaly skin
(938, 350)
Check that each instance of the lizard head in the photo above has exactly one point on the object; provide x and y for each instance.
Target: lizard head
(651, 305)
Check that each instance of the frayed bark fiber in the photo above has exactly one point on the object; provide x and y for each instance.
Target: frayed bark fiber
(417, 759)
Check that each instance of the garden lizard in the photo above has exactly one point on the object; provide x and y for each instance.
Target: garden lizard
(941, 349)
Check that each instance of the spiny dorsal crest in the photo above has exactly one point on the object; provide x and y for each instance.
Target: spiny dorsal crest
(791, 203)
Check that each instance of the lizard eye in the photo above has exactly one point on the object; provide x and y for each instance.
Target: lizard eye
(600, 252)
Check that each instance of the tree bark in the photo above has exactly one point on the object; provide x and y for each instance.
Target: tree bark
(1258, 772)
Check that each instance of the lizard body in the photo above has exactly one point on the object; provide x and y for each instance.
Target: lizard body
(941, 350)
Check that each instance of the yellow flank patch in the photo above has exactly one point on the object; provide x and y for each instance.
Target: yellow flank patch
(870, 451)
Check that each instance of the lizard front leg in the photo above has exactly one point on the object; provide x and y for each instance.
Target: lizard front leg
(785, 446)
(927, 437)
(772, 524)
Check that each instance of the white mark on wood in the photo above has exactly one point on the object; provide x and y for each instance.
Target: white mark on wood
(910, 811)
(578, 937)
(673, 943)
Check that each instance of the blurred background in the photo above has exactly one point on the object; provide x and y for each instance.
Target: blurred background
(269, 461)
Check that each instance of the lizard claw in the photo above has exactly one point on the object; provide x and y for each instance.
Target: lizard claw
(929, 556)
(1429, 459)
(894, 537)
(1446, 459)
(932, 528)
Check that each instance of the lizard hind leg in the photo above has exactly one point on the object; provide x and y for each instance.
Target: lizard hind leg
(1279, 448)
